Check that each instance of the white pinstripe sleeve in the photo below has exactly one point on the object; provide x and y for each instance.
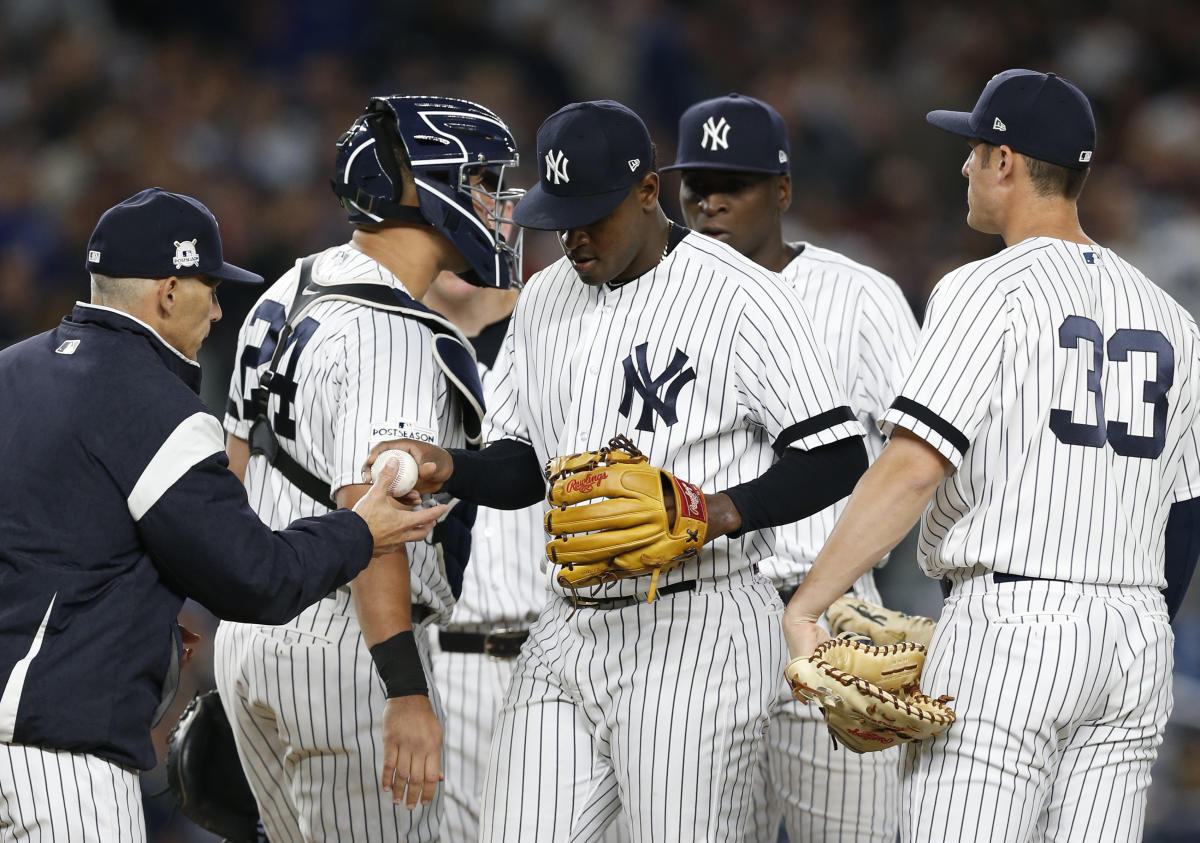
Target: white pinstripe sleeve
(945, 398)
(500, 394)
(887, 334)
(1187, 482)
(386, 382)
(785, 378)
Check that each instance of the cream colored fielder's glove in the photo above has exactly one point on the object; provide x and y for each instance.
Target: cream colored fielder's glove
(869, 695)
(881, 625)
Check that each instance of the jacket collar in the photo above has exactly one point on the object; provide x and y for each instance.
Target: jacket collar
(185, 369)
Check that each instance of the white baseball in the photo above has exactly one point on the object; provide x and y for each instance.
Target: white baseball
(406, 476)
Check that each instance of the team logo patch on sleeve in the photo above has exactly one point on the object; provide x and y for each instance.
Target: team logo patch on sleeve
(382, 431)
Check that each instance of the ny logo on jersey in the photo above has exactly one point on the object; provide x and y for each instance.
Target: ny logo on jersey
(556, 167)
(639, 379)
(716, 135)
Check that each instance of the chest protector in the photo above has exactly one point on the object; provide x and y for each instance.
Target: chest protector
(453, 355)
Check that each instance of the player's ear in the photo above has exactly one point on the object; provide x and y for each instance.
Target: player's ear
(784, 192)
(1006, 162)
(166, 293)
(647, 191)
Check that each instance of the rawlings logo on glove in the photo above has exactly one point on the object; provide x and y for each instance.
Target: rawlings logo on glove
(609, 518)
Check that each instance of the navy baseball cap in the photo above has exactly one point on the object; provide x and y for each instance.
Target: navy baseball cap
(156, 234)
(589, 155)
(732, 133)
(1037, 114)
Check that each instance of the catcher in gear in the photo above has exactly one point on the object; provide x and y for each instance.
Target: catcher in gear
(869, 695)
(648, 520)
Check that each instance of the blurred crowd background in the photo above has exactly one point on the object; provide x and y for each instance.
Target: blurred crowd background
(239, 103)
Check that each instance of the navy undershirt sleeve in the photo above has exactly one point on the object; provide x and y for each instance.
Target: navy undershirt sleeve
(1182, 551)
(504, 475)
(799, 484)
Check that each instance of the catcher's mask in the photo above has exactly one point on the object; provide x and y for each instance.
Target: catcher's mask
(458, 153)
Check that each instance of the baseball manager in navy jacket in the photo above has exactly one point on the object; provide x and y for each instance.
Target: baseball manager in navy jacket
(117, 504)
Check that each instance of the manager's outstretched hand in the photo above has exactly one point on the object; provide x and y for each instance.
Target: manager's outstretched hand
(391, 523)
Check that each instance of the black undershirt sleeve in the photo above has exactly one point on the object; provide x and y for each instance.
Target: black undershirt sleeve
(504, 475)
(799, 484)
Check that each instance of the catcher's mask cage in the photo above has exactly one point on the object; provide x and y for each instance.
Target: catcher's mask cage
(458, 153)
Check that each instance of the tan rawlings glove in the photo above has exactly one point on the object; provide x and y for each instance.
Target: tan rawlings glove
(883, 626)
(868, 694)
(608, 517)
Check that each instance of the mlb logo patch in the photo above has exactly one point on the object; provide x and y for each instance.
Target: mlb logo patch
(68, 347)
(1089, 257)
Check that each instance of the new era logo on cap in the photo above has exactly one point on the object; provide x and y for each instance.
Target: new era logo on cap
(1085, 156)
(999, 126)
(93, 256)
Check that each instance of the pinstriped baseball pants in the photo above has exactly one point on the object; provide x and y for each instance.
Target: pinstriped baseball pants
(49, 795)
(1062, 694)
(655, 712)
(305, 708)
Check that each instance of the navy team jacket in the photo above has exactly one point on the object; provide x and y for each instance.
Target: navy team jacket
(117, 503)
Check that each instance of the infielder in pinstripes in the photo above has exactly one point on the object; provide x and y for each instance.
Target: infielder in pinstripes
(1051, 416)
(735, 185)
(654, 712)
(332, 710)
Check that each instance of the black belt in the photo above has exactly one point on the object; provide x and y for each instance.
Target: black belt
(622, 602)
(499, 643)
(997, 577)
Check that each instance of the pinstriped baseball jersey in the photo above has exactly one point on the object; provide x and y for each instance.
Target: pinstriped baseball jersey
(863, 320)
(1068, 400)
(704, 388)
(360, 375)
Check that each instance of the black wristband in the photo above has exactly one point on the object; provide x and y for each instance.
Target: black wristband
(399, 665)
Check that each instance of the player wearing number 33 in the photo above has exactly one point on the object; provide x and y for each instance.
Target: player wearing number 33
(1051, 415)
(333, 710)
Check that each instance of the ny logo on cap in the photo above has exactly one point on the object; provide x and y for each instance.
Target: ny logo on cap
(716, 135)
(185, 253)
(639, 379)
(556, 167)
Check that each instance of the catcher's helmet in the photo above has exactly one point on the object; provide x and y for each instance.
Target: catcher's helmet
(458, 152)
